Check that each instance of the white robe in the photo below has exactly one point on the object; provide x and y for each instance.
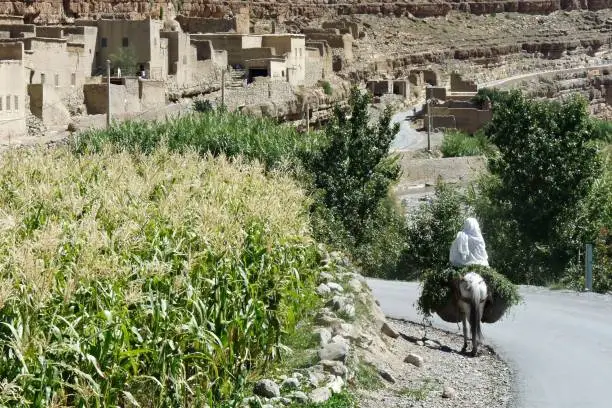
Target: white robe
(469, 246)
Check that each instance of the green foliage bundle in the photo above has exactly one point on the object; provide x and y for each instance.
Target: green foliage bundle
(353, 173)
(126, 282)
(431, 231)
(437, 287)
(457, 144)
(546, 168)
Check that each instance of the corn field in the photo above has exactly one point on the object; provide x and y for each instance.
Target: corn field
(145, 280)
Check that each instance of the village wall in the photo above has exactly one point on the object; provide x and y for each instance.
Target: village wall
(47, 105)
(49, 31)
(261, 90)
(12, 90)
(87, 36)
(8, 19)
(18, 30)
(314, 66)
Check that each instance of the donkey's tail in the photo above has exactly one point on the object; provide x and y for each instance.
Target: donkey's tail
(476, 311)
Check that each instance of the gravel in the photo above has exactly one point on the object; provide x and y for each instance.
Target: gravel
(483, 381)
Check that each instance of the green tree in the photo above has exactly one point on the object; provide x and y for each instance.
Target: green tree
(353, 173)
(546, 167)
(431, 231)
(124, 59)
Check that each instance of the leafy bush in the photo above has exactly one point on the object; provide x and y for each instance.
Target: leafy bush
(327, 88)
(202, 105)
(157, 279)
(546, 167)
(437, 286)
(217, 132)
(457, 143)
(602, 130)
(353, 173)
(431, 231)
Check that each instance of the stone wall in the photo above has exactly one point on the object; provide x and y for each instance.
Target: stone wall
(261, 89)
(47, 105)
(131, 95)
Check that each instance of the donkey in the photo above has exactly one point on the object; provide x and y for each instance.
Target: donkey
(473, 294)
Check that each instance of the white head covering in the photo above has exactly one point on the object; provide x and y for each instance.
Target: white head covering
(469, 246)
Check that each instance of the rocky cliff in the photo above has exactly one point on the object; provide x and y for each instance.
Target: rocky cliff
(54, 11)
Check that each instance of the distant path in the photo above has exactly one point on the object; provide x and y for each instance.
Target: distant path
(558, 342)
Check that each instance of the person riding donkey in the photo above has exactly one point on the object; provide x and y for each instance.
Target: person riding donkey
(469, 248)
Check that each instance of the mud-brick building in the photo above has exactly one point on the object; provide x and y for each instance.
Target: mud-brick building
(280, 56)
(139, 41)
(12, 89)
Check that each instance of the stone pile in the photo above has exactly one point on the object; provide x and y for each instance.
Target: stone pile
(339, 333)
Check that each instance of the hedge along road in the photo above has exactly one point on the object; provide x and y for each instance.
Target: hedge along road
(558, 343)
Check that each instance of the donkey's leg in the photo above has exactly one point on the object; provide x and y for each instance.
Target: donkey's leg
(465, 333)
(475, 339)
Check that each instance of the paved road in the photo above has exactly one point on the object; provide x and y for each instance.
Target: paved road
(408, 138)
(559, 343)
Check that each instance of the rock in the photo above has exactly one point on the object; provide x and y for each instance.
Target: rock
(335, 287)
(432, 344)
(336, 385)
(340, 339)
(389, 331)
(326, 317)
(324, 335)
(299, 396)
(386, 375)
(325, 277)
(334, 367)
(266, 388)
(355, 285)
(420, 343)
(337, 302)
(280, 400)
(334, 351)
(320, 395)
(345, 330)
(449, 392)
(323, 289)
(414, 359)
(316, 377)
(291, 384)
(348, 310)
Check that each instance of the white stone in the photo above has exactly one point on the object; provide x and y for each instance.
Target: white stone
(414, 359)
(320, 395)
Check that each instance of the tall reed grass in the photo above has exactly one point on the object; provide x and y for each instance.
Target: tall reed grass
(216, 132)
(156, 280)
(457, 143)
